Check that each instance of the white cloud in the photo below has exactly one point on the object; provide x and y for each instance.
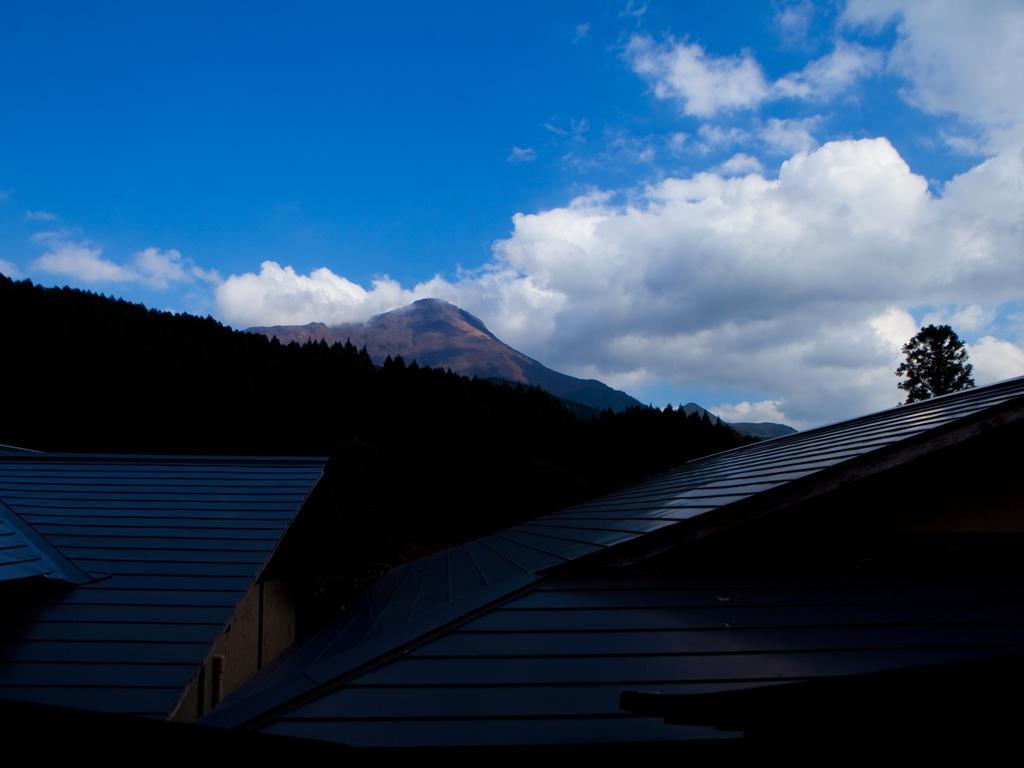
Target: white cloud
(995, 359)
(5, 194)
(80, 260)
(581, 30)
(40, 216)
(634, 9)
(703, 84)
(159, 269)
(972, 319)
(83, 261)
(830, 75)
(795, 288)
(576, 129)
(9, 269)
(895, 327)
(793, 21)
(740, 165)
(964, 145)
(961, 58)
(787, 137)
(676, 141)
(717, 137)
(765, 410)
(522, 155)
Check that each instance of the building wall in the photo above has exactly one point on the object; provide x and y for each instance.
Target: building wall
(262, 627)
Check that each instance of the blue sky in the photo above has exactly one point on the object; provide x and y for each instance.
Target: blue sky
(168, 152)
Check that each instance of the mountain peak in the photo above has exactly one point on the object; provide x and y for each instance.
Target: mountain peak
(436, 312)
(439, 334)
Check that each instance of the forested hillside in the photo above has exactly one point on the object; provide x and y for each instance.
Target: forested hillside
(426, 456)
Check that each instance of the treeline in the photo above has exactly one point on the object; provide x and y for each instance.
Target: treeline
(424, 456)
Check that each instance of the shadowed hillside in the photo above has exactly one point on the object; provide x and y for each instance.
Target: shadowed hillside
(421, 457)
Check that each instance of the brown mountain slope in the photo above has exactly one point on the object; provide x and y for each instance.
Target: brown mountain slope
(435, 333)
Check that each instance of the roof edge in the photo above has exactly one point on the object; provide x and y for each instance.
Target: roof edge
(804, 489)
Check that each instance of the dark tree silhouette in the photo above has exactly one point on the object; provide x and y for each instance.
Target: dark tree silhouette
(936, 364)
(422, 457)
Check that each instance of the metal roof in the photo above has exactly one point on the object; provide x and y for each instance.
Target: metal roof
(4, 449)
(24, 554)
(549, 667)
(428, 598)
(169, 545)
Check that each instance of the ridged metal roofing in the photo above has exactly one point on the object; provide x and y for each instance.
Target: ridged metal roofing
(550, 666)
(170, 545)
(24, 554)
(421, 599)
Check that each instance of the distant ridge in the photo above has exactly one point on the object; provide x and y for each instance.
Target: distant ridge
(438, 334)
(763, 430)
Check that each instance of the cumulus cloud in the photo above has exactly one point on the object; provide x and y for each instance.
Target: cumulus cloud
(703, 84)
(765, 410)
(9, 269)
(522, 155)
(40, 216)
(798, 287)
(995, 359)
(83, 261)
(959, 58)
(279, 295)
(795, 290)
(740, 165)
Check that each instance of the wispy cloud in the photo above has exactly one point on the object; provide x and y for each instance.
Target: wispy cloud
(40, 216)
(83, 261)
(576, 128)
(830, 75)
(787, 137)
(793, 21)
(582, 30)
(676, 142)
(634, 9)
(9, 269)
(705, 85)
(522, 155)
(5, 194)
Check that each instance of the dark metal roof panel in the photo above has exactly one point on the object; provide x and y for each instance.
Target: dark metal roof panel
(549, 666)
(712, 482)
(171, 544)
(25, 554)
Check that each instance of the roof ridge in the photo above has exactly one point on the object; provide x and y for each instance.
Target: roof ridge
(60, 568)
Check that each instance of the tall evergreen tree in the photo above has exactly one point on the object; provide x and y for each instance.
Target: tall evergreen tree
(936, 364)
